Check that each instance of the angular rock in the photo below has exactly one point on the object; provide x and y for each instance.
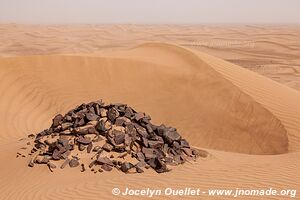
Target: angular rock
(97, 148)
(139, 170)
(171, 136)
(51, 165)
(149, 152)
(42, 159)
(66, 125)
(82, 168)
(81, 147)
(56, 154)
(89, 147)
(119, 138)
(65, 163)
(138, 116)
(112, 114)
(57, 120)
(106, 167)
(83, 140)
(126, 166)
(103, 112)
(129, 113)
(91, 117)
(107, 147)
(105, 160)
(155, 144)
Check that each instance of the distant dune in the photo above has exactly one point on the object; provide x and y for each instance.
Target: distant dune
(248, 123)
(270, 50)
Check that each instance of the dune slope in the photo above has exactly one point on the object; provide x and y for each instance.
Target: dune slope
(214, 104)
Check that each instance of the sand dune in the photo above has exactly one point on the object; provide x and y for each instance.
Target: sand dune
(236, 115)
(272, 51)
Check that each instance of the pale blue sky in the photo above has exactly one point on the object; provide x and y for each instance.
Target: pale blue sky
(150, 11)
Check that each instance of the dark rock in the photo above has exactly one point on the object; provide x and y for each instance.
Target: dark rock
(31, 136)
(119, 137)
(187, 151)
(79, 122)
(140, 156)
(42, 159)
(158, 165)
(51, 165)
(97, 109)
(184, 143)
(112, 114)
(106, 167)
(107, 147)
(82, 168)
(68, 118)
(138, 116)
(141, 164)
(65, 154)
(81, 147)
(120, 121)
(56, 154)
(149, 152)
(105, 160)
(89, 147)
(74, 163)
(31, 163)
(155, 144)
(139, 170)
(92, 163)
(129, 112)
(83, 140)
(101, 126)
(91, 117)
(97, 148)
(201, 153)
(63, 142)
(171, 136)
(149, 128)
(123, 155)
(66, 162)
(126, 166)
(145, 142)
(57, 120)
(66, 125)
(92, 130)
(142, 131)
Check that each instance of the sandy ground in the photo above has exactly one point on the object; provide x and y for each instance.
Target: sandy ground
(248, 123)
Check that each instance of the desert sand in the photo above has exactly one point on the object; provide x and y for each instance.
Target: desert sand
(270, 50)
(248, 123)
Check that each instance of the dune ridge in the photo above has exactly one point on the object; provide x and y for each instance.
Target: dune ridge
(268, 50)
(243, 115)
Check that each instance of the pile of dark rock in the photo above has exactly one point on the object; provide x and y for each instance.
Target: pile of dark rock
(102, 137)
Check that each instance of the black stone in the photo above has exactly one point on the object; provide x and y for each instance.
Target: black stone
(126, 166)
(112, 114)
(57, 120)
(74, 163)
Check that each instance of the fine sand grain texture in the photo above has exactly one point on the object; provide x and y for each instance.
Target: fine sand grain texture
(248, 123)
